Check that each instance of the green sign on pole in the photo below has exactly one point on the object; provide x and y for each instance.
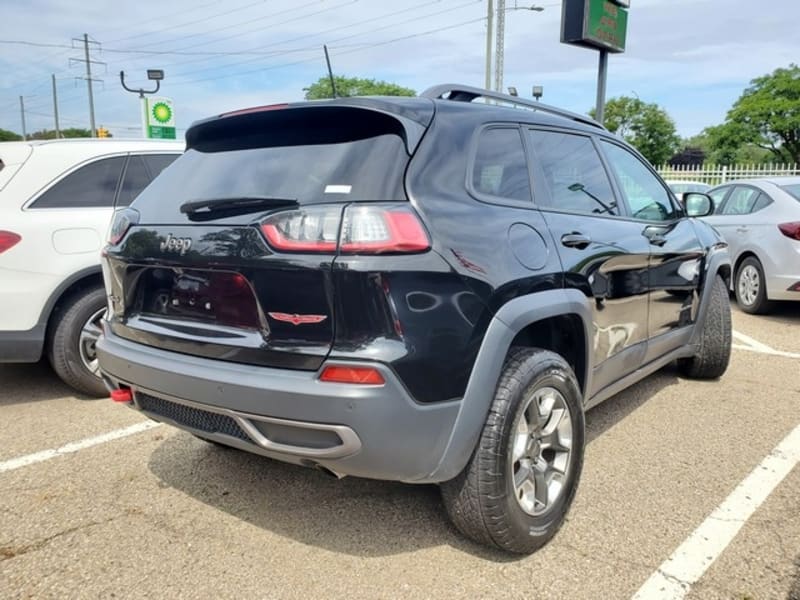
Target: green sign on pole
(599, 24)
(606, 25)
(160, 118)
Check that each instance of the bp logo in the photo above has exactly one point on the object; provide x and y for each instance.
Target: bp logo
(162, 113)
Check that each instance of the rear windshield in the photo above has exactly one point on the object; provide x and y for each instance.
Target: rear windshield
(793, 189)
(370, 168)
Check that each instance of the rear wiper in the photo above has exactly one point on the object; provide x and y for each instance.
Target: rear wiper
(203, 210)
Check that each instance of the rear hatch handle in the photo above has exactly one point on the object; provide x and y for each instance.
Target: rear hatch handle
(215, 208)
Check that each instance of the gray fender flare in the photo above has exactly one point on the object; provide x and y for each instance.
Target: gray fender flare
(504, 326)
(717, 258)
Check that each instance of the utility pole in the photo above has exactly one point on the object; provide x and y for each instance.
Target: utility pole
(89, 82)
(88, 60)
(489, 26)
(500, 43)
(55, 105)
(330, 71)
(22, 113)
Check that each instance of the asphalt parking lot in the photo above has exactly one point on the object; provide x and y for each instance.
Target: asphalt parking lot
(96, 505)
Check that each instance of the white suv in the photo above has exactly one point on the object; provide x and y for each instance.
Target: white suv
(56, 203)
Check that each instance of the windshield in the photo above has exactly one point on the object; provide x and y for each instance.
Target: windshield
(793, 190)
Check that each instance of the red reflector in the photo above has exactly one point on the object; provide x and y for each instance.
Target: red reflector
(360, 375)
(791, 230)
(8, 239)
(254, 109)
(123, 395)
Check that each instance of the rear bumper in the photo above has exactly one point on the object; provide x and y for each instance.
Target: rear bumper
(22, 346)
(778, 287)
(378, 432)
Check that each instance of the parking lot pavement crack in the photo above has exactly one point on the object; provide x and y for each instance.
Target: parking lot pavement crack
(615, 561)
(7, 552)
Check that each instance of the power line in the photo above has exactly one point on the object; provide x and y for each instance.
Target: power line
(179, 25)
(316, 59)
(315, 48)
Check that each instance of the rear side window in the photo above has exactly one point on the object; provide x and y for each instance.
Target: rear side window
(91, 186)
(500, 168)
(742, 201)
(158, 162)
(574, 173)
(134, 181)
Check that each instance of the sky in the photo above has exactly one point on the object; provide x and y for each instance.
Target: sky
(692, 57)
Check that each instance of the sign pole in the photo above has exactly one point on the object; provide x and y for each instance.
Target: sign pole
(143, 102)
(602, 77)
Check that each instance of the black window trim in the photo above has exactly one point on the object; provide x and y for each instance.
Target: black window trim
(676, 207)
(58, 178)
(535, 165)
(473, 151)
(728, 187)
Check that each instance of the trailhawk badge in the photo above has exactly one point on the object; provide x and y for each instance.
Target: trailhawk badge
(175, 244)
(297, 319)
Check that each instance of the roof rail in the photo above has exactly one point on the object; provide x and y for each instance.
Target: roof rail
(465, 93)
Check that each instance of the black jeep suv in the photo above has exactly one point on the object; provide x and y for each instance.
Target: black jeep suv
(428, 290)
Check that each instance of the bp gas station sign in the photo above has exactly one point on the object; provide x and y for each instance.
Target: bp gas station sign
(160, 118)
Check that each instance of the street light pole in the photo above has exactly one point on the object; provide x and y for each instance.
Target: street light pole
(501, 38)
(156, 75)
(489, 25)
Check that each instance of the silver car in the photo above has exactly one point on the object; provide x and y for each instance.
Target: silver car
(760, 220)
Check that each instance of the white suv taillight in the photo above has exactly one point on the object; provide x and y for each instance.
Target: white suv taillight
(364, 229)
(122, 222)
(8, 239)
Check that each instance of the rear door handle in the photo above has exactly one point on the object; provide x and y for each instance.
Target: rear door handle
(742, 229)
(575, 240)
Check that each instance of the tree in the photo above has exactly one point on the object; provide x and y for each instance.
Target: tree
(354, 86)
(767, 115)
(9, 136)
(646, 126)
(70, 132)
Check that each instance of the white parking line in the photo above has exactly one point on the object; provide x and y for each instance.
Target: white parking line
(37, 457)
(675, 577)
(752, 345)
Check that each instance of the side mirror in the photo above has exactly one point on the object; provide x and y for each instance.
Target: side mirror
(697, 204)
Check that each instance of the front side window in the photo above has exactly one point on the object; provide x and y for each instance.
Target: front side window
(500, 168)
(91, 186)
(646, 197)
(718, 196)
(574, 173)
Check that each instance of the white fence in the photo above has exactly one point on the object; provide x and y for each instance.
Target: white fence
(716, 174)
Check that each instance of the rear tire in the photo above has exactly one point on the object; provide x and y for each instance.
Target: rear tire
(751, 287)
(71, 342)
(497, 500)
(711, 361)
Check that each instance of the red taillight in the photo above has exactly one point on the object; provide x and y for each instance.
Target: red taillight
(367, 229)
(357, 375)
(121, 395)
(379, 230)
(8, 239)
(791, 230)
(122, 222)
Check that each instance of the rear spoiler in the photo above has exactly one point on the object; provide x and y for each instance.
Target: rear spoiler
(317, 122)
